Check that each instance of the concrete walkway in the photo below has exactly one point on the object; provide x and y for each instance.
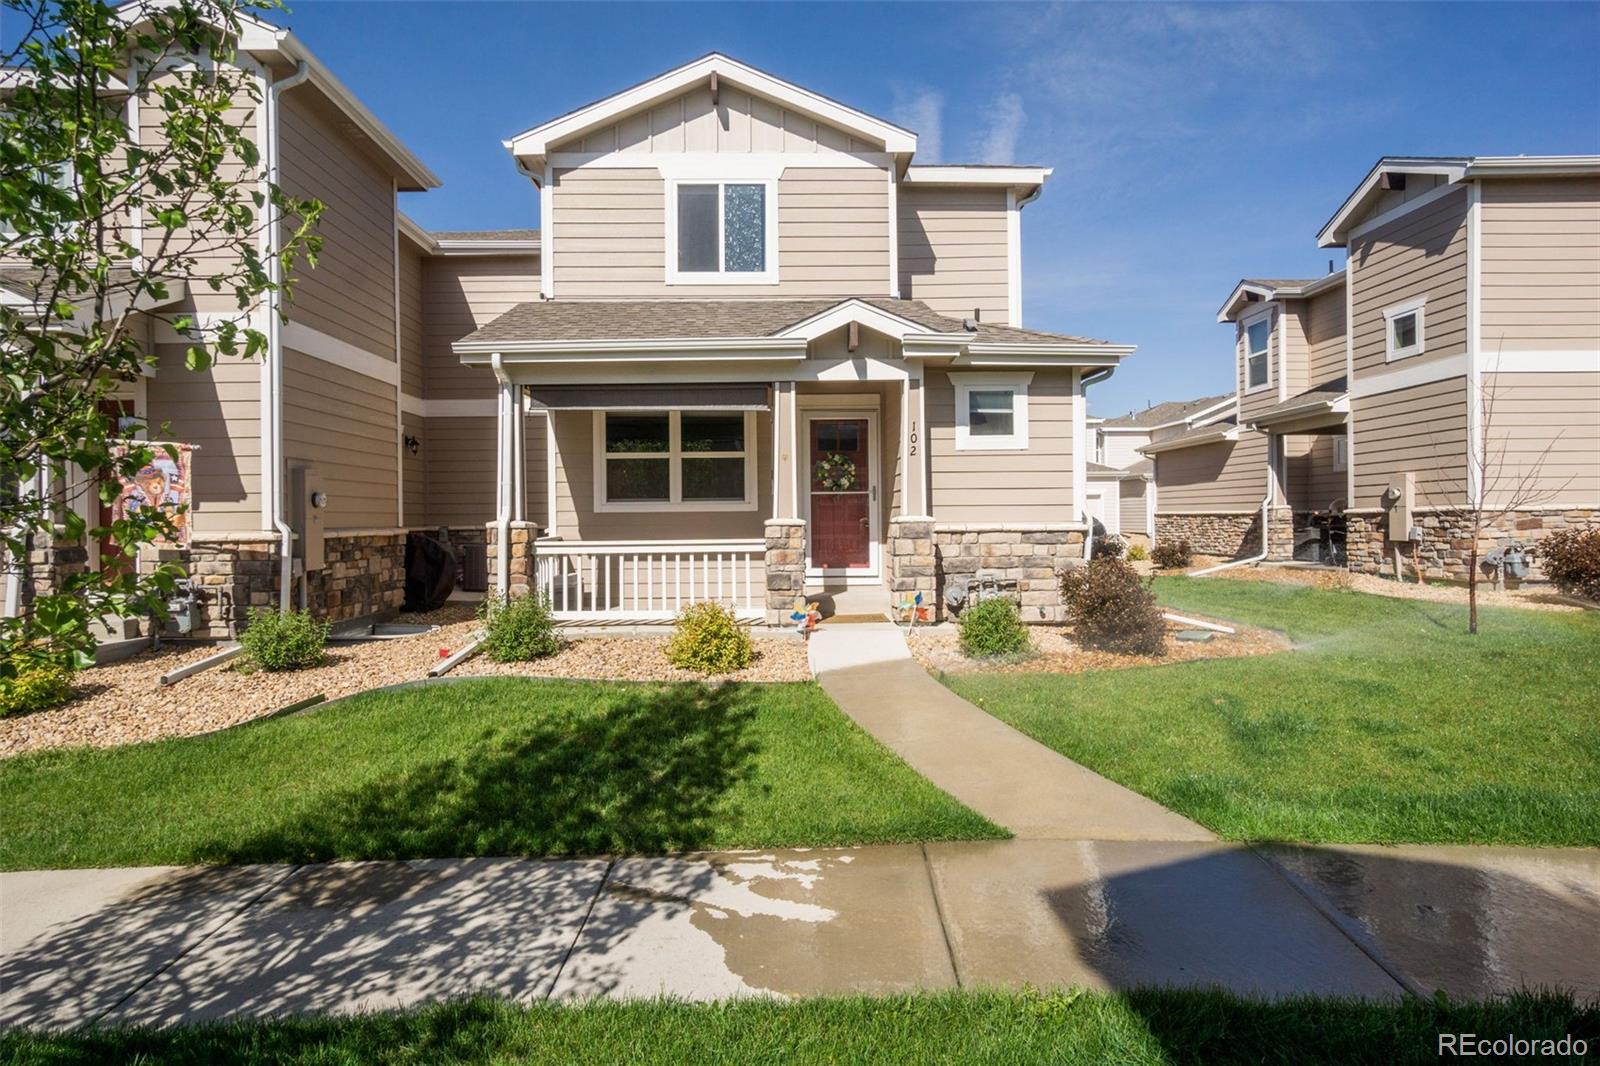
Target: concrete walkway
(1008, 777)
(167, 945)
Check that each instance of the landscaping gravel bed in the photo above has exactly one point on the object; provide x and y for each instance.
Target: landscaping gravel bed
(124, 703)
(1534, 597)
(939, 648)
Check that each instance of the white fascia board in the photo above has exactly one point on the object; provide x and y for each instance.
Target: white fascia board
(1517, 166)
(1300, 292)
(1229, 306)
(1012, 177)
(413, 232)
(1065, 351)
(859, 311)
(535, 142)
(1332, 235)
(1179, 443)
(480, 248)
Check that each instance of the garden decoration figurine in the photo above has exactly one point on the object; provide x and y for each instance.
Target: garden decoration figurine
(835, 473)
(805, 616)
(911, 610)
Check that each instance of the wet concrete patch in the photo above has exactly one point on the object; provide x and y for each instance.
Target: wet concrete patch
(347, 937)
(1474, 921)
(783, 923)
(1124, 914)
(76, 943)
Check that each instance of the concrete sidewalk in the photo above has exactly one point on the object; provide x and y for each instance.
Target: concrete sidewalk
(1006, 776)
(163, 945)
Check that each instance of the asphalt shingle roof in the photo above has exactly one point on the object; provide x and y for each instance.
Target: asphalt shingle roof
(1162, 413)
(484, 234)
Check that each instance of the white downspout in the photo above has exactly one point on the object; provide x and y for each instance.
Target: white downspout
(272, 467)
(1266, 510)
(503, 490)
(1094, 377)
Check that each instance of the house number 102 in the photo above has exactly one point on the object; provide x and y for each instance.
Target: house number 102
(911, 440)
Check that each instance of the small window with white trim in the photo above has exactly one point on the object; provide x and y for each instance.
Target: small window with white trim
(1257, 353)
(674, 460)
(721, 232)
(1403, 326)
(991, 411)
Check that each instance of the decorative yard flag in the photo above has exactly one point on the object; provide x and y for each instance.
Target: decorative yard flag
(161, 483)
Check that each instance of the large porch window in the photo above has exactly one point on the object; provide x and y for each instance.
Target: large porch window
(674, 460)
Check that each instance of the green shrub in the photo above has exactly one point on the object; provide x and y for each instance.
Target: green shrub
(1571, 559)
(1111, 546)
(518, 629)
(291, 641)
(1111, 608)
(992, 628)
(1172, 556)
(708, 639)
(34, 686)
(1137, 554)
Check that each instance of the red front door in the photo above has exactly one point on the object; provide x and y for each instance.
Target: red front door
(841, 529)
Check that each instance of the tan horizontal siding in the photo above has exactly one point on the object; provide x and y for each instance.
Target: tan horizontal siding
(1541, 265)
(954, 250)
(414, 472)
(1542, 438)
(1313, 483)
(1423, 253)
(1034, 485)
(1387, 199)
(219, 410)
(461, 294)
(343, 424)
(459, 454)
(1422, 430)
(1227, 476)
(1252, 403)
(350, 293)
(737, 122)
(610, 235)
(578, 520)
(1325, 337)
(1132, 511)
(411, 318)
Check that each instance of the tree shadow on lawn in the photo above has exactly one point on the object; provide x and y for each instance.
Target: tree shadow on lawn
(652, 772)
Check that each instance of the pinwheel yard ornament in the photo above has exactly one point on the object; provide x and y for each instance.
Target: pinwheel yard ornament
(805, 616)
(912, 611)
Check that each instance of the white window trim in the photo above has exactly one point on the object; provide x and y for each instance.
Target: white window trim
(1265, 314)
(674, 456)
(1341, 454)
(1390, 352)
(1017, 439)
(768, 276)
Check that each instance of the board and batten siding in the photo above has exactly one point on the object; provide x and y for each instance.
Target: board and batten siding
(1540, 266)
(738, 121)
(1422, 430)
(1228, 477)
(219, 410)
(459, 455)
(1420, 254)
(461, 294)
(954, 250)
(610, 239)
(1027, 485)
(343, 424)
(1133, 506)
(349, 294)
(1542, 437)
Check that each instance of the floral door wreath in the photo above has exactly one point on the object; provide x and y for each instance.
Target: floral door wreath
(835, 473)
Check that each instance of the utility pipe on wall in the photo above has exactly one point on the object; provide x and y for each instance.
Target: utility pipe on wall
(1094, 377)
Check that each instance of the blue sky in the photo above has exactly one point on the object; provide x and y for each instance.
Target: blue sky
(1192, 144)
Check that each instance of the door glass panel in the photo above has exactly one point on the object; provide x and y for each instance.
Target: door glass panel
(697, 228)
(713, 479)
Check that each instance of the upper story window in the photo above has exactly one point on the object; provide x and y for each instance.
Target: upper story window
(721, 232)
(1257, 353)
(674, 460)
(1403, 329)
(991, 411)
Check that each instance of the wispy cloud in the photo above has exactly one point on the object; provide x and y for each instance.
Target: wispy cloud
(921, 109)
(1004, 118)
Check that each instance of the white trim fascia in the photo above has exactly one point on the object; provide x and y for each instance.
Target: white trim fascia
(1017, 382)
(894, 234)
(1508, 166)
(1541, 362)
(536, 141)
(1331, 235)
(1475, 453)
(723, 166)
(1013, 260)
(1406, 377)
(1085, 354)
(1300, 292)
(1178, 443)
(481, 248)
(1195, 418)
(700, 348)
(948, 174)
(313, 342)
(1417, 305)
(859, 311)
(767, 275)
(1226, 312)
(547, 233)
(674, 456)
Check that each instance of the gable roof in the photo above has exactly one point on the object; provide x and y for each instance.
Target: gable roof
(533, 144)
(1275, 289)
(1163, 414)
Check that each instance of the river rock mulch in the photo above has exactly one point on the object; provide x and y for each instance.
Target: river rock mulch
(938, 648)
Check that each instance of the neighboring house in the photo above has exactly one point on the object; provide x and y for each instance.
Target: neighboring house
(757, 352)
(1121, 479)
(1454, 363)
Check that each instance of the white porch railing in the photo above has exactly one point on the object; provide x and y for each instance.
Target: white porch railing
(620, 581)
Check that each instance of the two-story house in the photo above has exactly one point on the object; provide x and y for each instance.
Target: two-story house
(1452, 366)
(755, 351)
(1121, 478)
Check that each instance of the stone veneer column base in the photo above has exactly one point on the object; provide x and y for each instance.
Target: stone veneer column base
(1447, 540)
(232, 574)
(785, 567)
(521, 574)
(51, 564)
(1280, 534)
(913, 566)
(1031, 555)
(1226, 535)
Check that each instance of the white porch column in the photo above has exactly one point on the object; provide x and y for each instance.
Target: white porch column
(786, 452)
(914, 444)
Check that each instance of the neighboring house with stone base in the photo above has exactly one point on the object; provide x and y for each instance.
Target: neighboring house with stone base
(1453, 363)
(1122, 491)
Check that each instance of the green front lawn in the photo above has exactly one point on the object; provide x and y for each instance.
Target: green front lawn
(1387, 724)
(1153, 1027)
(493, 766)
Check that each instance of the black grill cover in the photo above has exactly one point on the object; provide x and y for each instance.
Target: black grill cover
(430, 572)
